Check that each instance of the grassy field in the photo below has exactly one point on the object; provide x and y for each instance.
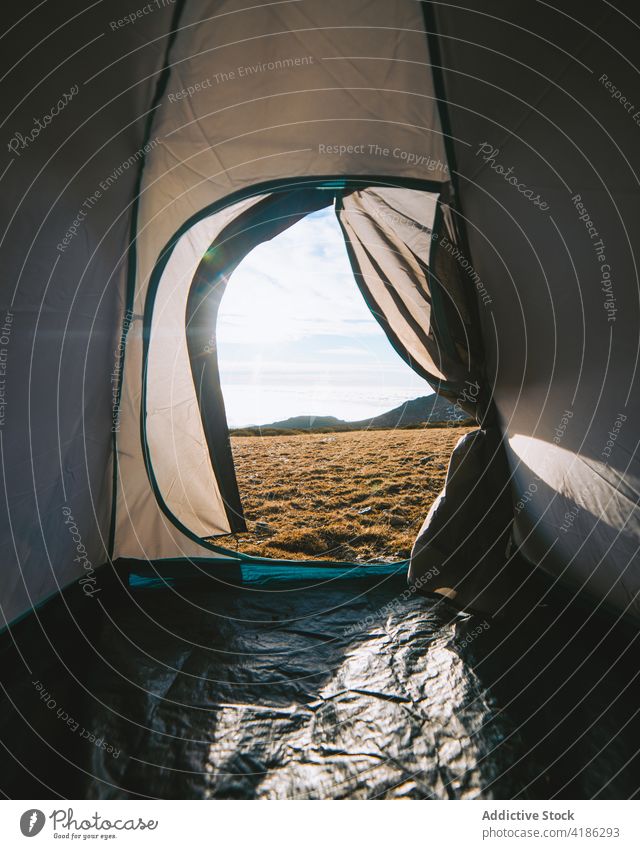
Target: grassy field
(360, 495)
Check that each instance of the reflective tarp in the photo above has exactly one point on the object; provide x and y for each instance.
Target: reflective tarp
(336, 686)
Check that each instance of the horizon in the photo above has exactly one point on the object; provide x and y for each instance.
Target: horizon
(285, 351)
(313, 416)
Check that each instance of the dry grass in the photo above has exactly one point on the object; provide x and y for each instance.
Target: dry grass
(360, 495)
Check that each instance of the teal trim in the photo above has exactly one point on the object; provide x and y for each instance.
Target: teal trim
(309, 570)
(261, 571)
(244, 570)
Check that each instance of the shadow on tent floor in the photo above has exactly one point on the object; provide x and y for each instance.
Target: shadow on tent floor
(307, 689)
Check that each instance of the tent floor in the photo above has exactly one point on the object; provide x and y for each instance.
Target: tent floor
(306, 689)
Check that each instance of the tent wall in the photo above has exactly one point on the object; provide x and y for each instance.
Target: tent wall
(268, 92)
(76, 98)
(177, 455)
(259, 223)
(561, 328)
(395, 238)
(273, 93)
(303, 91)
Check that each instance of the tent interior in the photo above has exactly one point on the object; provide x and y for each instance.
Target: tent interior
(329, 684)
(462, 150)
(304, 370)
(401, 308)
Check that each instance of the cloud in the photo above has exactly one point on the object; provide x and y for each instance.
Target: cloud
(247, 404)
(298, 285)
(286, 367)
(295, 335)
(345, 351)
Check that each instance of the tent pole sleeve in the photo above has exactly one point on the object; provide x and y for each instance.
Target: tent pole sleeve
(486, 412)
(161, 86)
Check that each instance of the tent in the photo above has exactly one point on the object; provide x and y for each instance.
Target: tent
(480, 159)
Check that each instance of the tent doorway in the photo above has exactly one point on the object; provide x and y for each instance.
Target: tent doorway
(316, 400)
(391, 236)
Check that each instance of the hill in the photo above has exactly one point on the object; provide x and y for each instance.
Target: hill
(306, 423)
(429, 409)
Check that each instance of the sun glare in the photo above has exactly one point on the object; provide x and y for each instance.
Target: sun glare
(295, 336)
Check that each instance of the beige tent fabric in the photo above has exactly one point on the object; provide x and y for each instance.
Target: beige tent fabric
(561, 330)
(391, 234)
(285, 91)
(64, 218)
(177, 449)
(300, 90)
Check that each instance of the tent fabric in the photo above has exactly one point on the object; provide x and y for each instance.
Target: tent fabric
(205, 156)
(462, 550)
(392, 236)
(284, 95)
(66, 212)
(165, 130)
(457, 292)
(177, 450)
(133, 149)
(560, 333)
(337, 688)
(188, 455)
(262, 221)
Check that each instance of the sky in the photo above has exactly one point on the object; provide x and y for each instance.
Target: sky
(295, 336)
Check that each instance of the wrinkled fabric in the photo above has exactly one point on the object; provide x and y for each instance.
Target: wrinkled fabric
(462, 548)
(315, 697)
(339, 688)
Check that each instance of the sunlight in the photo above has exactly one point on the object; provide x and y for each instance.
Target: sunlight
(295, 336)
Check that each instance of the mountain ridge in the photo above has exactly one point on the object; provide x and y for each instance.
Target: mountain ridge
(427, 409)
